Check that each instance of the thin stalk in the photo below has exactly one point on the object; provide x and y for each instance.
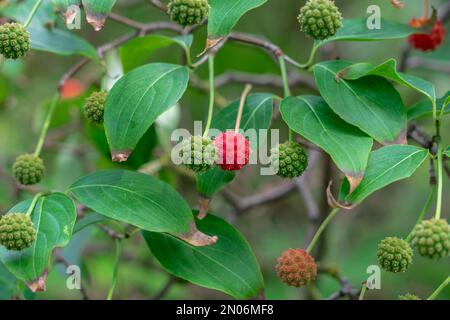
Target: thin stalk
(321, 229)
(115, 271)
(46, 125)
(244, 95)
(32, 13)
(439, 289)
(212, 89)
(312, 56)
(33, 203)
(424, 211)
(363, 291)
(426, 8)
(287, 91)
(440, 178)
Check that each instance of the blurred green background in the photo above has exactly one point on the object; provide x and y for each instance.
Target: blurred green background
(26, 87)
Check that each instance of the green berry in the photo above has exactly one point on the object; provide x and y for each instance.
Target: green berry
(188, 12)
(320, 19)
(16, 231)
(289, 160)
(95, 106)
(431, 238)
(198, 153)
(14, 40)
(28, 169)
(409, 296)
(394, 254)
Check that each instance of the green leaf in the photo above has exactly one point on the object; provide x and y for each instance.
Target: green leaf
(228, 266)
(8, 283)
(225, 14)
(211, 181)
(387, 165)
(424, 108)
(312, 118)
(447, 152)
(388, 70)
(136, 52)
(370, 103)
(134, 198)
(54, 218)
(136, 100)
(97, 11)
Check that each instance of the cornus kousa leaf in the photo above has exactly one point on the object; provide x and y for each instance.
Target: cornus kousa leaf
(136, 100)
(54, 218)
(424, 108)
(312, 118)
(228, 266)
(67, 8)
(447, 152)
(97, 11)
(211, 181)
(370, 103)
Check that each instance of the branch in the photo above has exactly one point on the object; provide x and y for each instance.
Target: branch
(346, 289)
(162, 293)
(59, 258)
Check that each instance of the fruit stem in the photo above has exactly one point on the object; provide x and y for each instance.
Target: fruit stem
(212, 89)
(363, 291)
(440, 178)
(33, 203)
(424, 211)
(32, 13)
(115, 271)
(46, 125)
(287, 91)
(439, 289)
(312, 56)
(426, 8)
(244, 95)
(321, 229)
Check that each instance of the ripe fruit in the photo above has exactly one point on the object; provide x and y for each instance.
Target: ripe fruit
(320, 19)
(289, 160)
(409, 296)
(28, 169)
(426, 42)
(296, 267)
(431, 238)
(198, 153)
(16, 231)
(394, 254)
(14, 40)
(95, 106)
(233, 151)
(188, 12)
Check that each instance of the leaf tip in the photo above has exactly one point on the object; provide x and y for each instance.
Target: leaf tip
(197, 238)
(335, 204)
(39, 285)
(120, 155)
(97, 21)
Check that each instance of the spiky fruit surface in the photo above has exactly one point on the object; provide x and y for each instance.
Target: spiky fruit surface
(14, 40)
(409, 296)
(198, 153)
(320, 19)
(296, 267)
(95, 106)
(16, 231)
(28, 169)
(431, 238)
(289, 160)
(426, 42)
(233, 151)
(188, 12)
(394, 254)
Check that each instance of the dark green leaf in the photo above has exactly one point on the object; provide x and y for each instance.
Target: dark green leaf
(211, 181)
(424, 108)
(97, 11)
(228, 266)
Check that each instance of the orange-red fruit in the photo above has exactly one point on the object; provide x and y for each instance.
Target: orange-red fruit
(426, 42)
(233, 151)
(296, 267)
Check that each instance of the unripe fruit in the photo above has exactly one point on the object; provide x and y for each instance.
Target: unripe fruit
(409, 296)
(188, 12)
(426, 42)
(394, 254)
(288, 160)
(14, 40)
(16, 231)
(198, 153)
(94, 107)
(431, 238)
(296, 267)
(320, 19)
(233, 151)
(28, 169)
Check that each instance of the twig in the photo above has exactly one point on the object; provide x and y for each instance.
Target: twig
(59, 258)
(112, 233)
(162, 293)
(158, 4)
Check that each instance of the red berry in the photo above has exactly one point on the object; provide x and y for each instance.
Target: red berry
(426, 42)
(296, 267)
(233, 151)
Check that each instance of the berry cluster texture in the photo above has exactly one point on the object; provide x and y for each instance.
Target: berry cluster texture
(16, 231)
(320, 19)
(14, 40)
(431, 238)
(188, 12)
(288, 160)
(409, 296)
(394, 254)
(28, 169)
(198, 153)
(94, 107)
(426, 41)
(296, 267)
(233, 151)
